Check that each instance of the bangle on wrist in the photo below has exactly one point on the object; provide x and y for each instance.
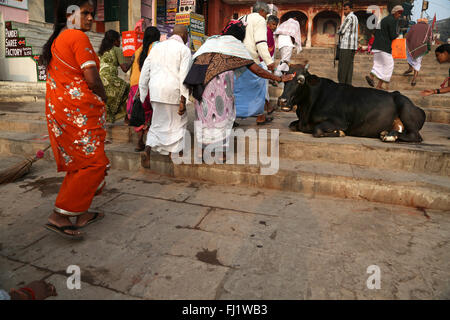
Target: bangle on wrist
(438, 91)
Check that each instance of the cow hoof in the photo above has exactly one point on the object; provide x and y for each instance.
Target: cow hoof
(383, 134)
(389, 138)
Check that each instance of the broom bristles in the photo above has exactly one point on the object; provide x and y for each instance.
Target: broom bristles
(17, 171)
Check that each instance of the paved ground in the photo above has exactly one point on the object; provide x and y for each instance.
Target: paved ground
(169, 239)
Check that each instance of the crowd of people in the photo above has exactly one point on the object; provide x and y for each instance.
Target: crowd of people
(228, 77)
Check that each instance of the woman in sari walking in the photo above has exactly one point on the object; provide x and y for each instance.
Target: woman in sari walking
(151, 35)
(75, 112)
(111, 58)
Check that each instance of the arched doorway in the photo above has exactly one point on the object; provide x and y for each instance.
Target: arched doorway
(325, 27)
(364, 33)
(303, 20)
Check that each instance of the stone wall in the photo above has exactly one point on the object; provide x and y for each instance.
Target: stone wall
(36, 11)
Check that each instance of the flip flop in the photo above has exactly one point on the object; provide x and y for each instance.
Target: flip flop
(61, 231)
(95, 218)
(370, 81)
(286, 109)
(413, 84)
(268, 119)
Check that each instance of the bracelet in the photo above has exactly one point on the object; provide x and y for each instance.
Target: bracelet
(438, 91)
(30, 291)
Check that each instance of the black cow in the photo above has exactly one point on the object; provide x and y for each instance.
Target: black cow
(328, 109)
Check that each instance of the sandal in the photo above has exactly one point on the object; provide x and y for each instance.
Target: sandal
(370, 81)
(266, 120)
(61, 231)
(413, 84)
(407, 72)
(95, 218)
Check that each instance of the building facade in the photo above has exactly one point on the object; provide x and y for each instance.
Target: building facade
(319, 19)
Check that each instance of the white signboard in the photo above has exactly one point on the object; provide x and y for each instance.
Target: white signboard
(20, 4)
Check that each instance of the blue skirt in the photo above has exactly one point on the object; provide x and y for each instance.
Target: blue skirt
(249, 94)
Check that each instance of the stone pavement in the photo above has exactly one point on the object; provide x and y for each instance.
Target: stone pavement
(164, 238)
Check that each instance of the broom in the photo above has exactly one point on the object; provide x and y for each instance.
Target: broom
(17, 171)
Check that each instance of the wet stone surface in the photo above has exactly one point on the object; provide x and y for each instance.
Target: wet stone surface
(165, 238)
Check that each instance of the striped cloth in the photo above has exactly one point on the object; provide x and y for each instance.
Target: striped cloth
(228, 45)
(349, 32)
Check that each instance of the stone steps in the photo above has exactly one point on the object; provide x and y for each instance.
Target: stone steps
(431, 157)
(306, 176)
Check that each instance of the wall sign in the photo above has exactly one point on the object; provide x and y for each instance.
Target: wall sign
(20, 4)
(14, 44)
(40, 69)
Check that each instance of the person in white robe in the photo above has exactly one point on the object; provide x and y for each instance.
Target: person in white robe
(163, 74)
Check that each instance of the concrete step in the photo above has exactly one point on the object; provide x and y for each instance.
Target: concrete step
(311, 177)
(431, 157)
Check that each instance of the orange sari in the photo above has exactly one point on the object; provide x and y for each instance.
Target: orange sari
(76, 122)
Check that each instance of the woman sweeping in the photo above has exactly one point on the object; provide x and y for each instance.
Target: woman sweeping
(151, 35)
(211, 79)
(75, 112)
(111, 57)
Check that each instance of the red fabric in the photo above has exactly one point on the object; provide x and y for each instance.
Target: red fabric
(270, 42)
(79, 187)
(75, 115)
(75, 120)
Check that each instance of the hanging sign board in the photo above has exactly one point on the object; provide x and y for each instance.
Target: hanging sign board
(20, 4)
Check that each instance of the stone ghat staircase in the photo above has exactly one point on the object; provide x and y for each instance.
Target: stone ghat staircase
(36, 35)
(416, 175)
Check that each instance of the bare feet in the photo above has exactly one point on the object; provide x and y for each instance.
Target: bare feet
(145, 157)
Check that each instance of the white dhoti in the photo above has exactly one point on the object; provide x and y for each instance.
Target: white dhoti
(383, 65)
(415, 63)
(166, 133)
(286, 54)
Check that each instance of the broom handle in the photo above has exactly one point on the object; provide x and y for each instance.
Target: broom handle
(47, 147)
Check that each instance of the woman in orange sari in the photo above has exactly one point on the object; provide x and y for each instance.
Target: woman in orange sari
(75, 112)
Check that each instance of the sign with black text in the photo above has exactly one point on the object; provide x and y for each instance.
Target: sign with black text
(15, 46)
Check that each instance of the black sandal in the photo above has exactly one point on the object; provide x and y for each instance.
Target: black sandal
(370, 81)
(61, 231)
(95, 218)
(267, 120)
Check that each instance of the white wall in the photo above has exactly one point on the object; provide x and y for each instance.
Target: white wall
(18, 69)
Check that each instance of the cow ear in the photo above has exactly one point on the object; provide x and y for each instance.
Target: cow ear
(313, 80)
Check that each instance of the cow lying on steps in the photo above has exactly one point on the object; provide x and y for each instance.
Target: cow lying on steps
(328, 109)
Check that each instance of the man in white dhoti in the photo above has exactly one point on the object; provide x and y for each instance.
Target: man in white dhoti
(383, 62)
(418, 43)
(288, 36)
(163, 74)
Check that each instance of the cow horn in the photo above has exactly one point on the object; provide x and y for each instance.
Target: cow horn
(301, 79)
(307, 67)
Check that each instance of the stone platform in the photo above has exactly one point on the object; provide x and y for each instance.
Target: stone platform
(415, 175)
